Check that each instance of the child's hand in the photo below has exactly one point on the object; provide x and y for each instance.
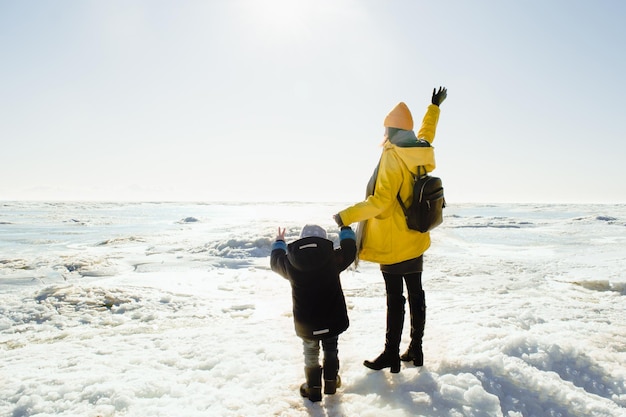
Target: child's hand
(281, 234)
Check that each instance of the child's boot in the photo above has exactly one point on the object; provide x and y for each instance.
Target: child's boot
(312, 388)
(332, 380)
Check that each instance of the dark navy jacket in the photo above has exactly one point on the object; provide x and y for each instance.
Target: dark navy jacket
(312, 266)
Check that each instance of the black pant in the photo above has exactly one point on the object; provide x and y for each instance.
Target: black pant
(395, 308)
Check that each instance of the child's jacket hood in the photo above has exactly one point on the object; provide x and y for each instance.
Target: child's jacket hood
(310, 253)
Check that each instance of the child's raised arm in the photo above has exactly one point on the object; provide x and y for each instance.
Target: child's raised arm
(278, 257)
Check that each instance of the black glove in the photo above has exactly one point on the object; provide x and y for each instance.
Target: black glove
(439, 96)
(338, 220)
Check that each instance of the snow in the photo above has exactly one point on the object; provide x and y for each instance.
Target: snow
(170, 309)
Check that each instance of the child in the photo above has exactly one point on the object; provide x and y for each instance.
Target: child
(312, 266)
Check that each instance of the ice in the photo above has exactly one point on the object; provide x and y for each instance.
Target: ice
(111, 309)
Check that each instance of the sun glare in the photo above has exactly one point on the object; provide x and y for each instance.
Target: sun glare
(279, 18)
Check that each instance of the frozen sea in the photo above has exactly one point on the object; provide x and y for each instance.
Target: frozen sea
(170, 309)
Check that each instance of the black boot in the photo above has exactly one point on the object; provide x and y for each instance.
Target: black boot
(390, 358)
(415, 354)
(417, 306)
(385, 360)
(312, 388)
(332, 380)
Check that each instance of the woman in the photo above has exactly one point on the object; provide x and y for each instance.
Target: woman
(383, 236)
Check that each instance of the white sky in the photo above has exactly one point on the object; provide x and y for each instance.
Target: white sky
(284, 100)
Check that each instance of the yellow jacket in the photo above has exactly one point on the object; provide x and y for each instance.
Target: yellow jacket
(386, 239)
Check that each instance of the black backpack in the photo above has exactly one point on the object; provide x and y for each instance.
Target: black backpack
(425, 212)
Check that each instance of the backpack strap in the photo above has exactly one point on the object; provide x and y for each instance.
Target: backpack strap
(401, 204)
(415, 178)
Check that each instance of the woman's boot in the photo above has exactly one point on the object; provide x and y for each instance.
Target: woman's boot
(414, 353)
(312, 388)
(385, 360)
(417, 307)
(390, 358)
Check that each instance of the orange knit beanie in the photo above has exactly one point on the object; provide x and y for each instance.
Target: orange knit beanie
(399, 118)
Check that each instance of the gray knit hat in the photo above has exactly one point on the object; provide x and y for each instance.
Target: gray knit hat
(313, 230)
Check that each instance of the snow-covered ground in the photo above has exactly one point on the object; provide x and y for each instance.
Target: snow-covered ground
(148, 309)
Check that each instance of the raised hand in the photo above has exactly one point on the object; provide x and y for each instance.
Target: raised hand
(439, 96)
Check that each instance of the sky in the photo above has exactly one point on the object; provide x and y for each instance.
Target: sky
(281, 100)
